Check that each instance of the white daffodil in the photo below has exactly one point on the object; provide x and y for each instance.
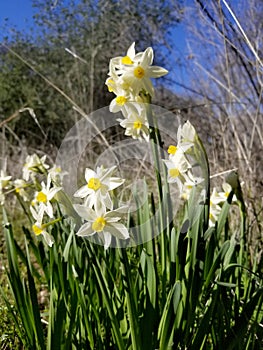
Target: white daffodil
(105, 224)
(96, 190)
(4, 185)
(226, 191)
(215, 208)
(189, 184)
(130, 58)
(215, 197)
(118, 86)
(34, 164)
(20, 186)
(39, 229)
(137, 74)
(174, 151)
(186, 136)
(214, 212)
(136, 123)
(124, 101)
(56, 174)
(4, 180)
(178, 167)
(41, 203)
(220, 197)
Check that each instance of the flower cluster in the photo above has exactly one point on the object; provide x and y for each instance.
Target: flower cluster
(39, 197)
(98, 214)
(41, 206)
(97, 208)
(130, 80)
(178, 165)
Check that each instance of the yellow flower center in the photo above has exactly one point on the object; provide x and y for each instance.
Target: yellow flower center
(37, 230)
(172, 149)
(137, 125)
(139, 72)
(41, 197)
(99, 224)
(126, 60)
(174, 172)
(121, 100)
(17, 190)
(94, 184)
(226, 194)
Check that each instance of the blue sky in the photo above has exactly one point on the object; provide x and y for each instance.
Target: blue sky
(19, 14)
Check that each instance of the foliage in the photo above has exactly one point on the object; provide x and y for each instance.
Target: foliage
(201, 294)
(85, 29)
(9, 338)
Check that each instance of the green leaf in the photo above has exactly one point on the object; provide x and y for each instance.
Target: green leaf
(235, 336)
(218, 260)
(35, 306)
(149, 275)
(203, 328)
(166, 324)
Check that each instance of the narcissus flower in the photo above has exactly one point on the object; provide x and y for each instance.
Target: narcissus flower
(134, 71)
(136, 123)
(226, 191)
(186, 136)
(39, 229)
(216, 200)
(56, 174)
(4, 180)
(178, 167)
(189, 184)
(138, 75)
(97, 187)
(124, 102)
(105, 224)
(220, 197)
(214, 212)
(20, 186)
(4, 185)
(34, 164)
(41, 203)
(130, 58)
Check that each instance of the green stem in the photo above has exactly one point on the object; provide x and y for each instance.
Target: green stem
(157, 151)
(131, 301)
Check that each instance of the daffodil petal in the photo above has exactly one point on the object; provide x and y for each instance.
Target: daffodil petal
(85, 230)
